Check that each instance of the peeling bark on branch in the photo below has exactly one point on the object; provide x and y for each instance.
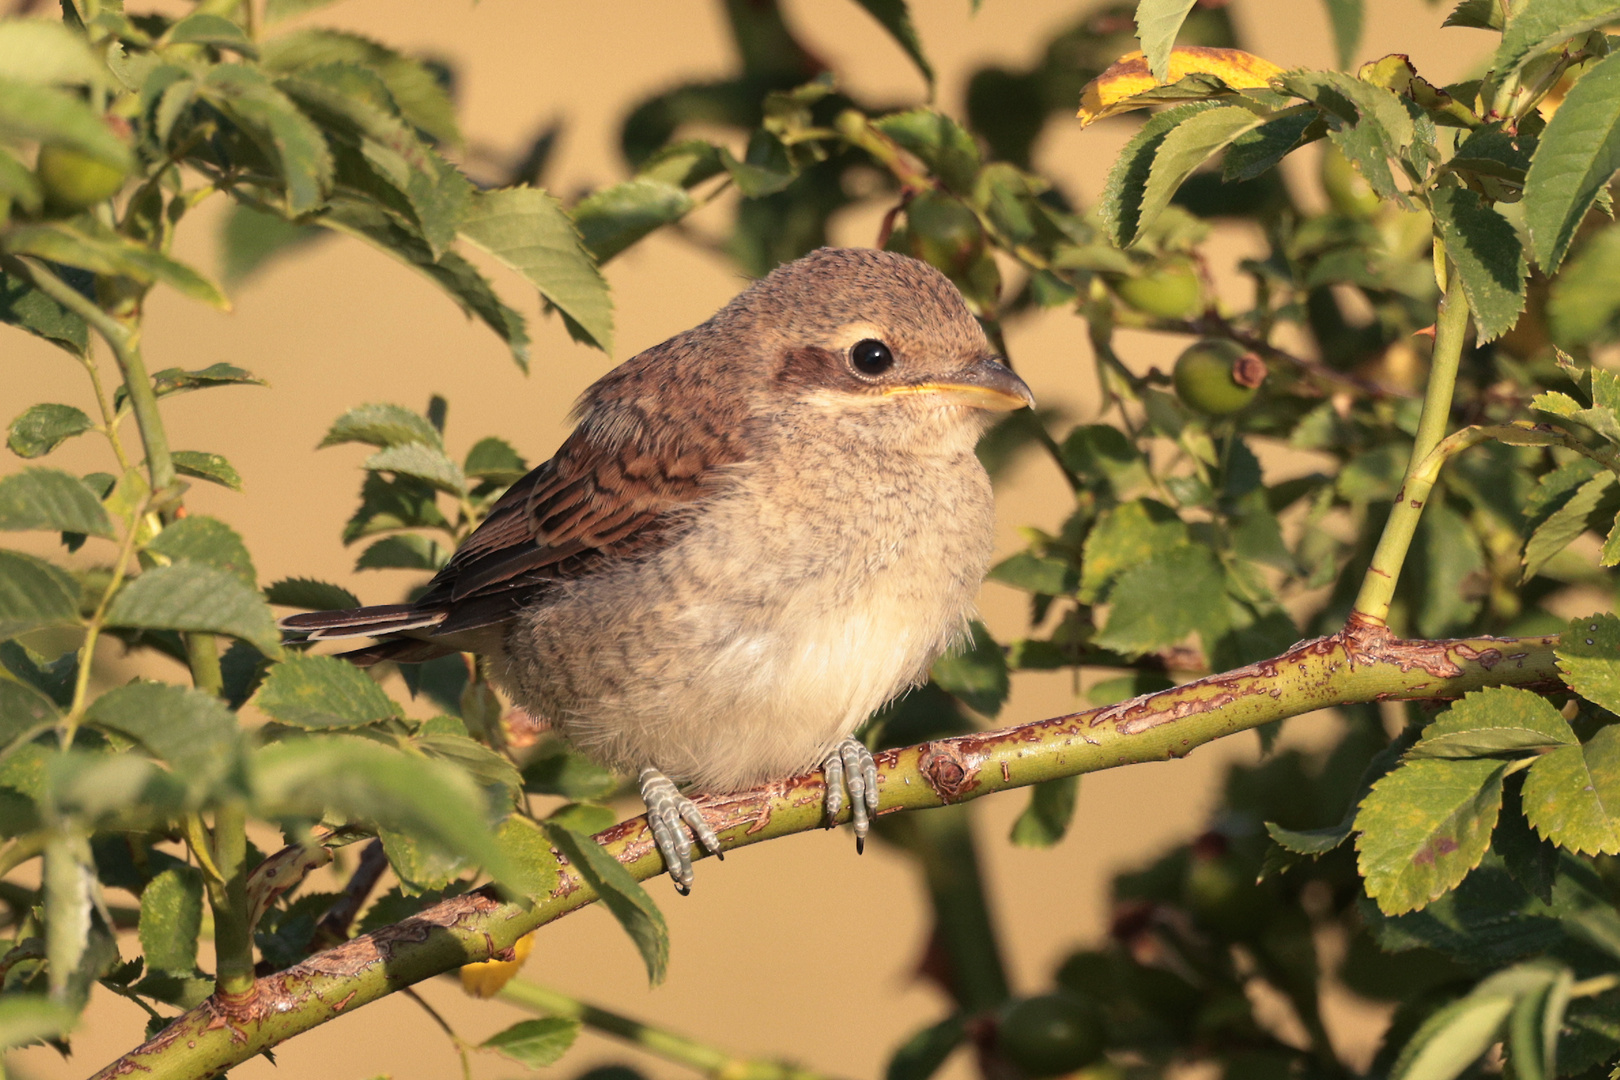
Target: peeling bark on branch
(1362, 663)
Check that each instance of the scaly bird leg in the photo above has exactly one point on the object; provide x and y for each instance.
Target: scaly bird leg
(670, 814)
(850, 766)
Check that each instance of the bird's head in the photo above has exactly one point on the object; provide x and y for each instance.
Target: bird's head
(879, 343)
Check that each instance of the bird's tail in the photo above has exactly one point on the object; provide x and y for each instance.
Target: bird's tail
(362, 622)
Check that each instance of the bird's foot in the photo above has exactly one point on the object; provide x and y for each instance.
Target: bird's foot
(851, 767)
(670, 814)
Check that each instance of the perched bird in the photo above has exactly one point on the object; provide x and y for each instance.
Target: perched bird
(759, 532)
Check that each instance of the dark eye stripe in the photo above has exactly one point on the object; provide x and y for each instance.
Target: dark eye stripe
(871, 357)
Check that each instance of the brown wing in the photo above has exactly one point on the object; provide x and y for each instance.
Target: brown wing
(589, 502)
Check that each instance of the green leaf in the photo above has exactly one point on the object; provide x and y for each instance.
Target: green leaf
(569, 775)
(1565, 524)
(47, 52)
(921, 1056)
(1345, 17)
(1368, 123)
(310, 594)
(171, 919)
(206, 28)
(1046, 575)
(1576, 156)
(426, 463)
(277, 10)
(356, 779)
(587, 819)
(1501, 721)
(534, 864)
(1589, 658)
(1423, 827)
(527, 230)
(535, 1043)
(407, 551)
(977, 675)
(44, 114)
(474, 758)
(1047, 817)
(34, 595)
(420, 95)
(190, 596)
(382, 425)
(202, 539)
(1478, 14)
(1453, 1038)
(25, 307)
(42, 428)
(893, 16)
(1124, 536)
(179, 381)
(1157, 24)
(1161, 601)
(249, 239)
(1183, 149)
(613, 218)
(386, 505)
(1310, 841)
(1584, 307)
(1258, 150)
(70, 882)
(941, 143)
(314, 692)
(494, 460)
(1572, 795)
(204, 466)
(623, 896)
(191, 730)
(286, 136)
(88, 244)
(38, 498)
(1538, 26)
(29, 1018)
(1132, 169)
(1488, 256)
(23, 709)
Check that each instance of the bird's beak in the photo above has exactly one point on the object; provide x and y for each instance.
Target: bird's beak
(988, 384)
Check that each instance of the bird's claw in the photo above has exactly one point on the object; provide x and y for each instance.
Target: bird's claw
(670, 815)
(851, 767)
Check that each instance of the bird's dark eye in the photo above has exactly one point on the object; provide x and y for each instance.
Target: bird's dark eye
(871, 357)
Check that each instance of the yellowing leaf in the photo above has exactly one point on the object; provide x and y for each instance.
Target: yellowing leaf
(486, 978)
(1123, 86)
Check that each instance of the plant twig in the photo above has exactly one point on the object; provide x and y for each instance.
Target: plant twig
(334, 925)
(444, 1025)
(709, 1060)
(1378, 586)
(1358, 664)
(125, 344)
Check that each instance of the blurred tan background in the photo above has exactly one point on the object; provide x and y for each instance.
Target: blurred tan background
(797, 949)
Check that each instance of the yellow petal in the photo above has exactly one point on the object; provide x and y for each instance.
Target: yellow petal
(485, 978)
(1112, 91)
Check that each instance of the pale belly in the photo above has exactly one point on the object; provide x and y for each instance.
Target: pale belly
(725, 664)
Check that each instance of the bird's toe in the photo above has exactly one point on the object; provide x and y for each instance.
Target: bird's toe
(851, 767)
(670, 815)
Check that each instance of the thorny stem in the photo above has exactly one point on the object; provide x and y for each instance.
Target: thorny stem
(87, 651)
(1378, 587)
(233, 940)
(1358, 664)
(709, 1060)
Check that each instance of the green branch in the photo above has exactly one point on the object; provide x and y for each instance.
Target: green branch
(1378, 586)
(125, 342)
(1359, 664)
(708, 1060)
